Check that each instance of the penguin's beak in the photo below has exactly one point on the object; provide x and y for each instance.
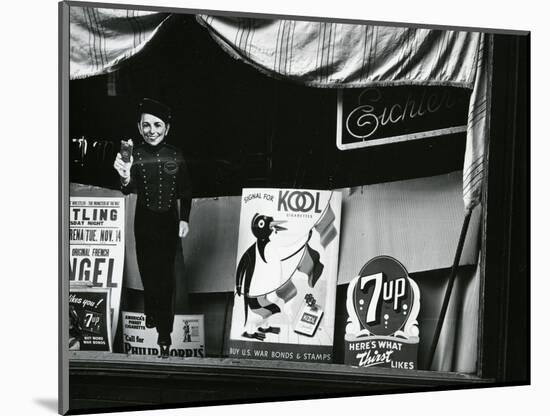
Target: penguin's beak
(275, 226)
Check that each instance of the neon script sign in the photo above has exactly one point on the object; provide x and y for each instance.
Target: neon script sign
(383, 115)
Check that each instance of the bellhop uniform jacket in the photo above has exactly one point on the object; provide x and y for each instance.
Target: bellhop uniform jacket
(160, 178)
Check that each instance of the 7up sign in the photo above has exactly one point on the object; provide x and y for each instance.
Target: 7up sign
(383, 304)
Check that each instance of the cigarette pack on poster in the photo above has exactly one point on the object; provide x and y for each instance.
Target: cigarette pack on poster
(309, 317)
(286, 275)
(89, 319)
(187, 336)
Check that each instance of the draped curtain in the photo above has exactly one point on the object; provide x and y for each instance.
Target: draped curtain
(102, 39)
(316, 54)
(324, 54)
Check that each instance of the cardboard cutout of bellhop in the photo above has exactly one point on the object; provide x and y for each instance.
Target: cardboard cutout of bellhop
(157, 173)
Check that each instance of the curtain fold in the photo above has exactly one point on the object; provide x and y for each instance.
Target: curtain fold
(101, 39)
(334, 55)
(477, 135)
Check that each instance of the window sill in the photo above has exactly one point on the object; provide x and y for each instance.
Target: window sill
(173, 367)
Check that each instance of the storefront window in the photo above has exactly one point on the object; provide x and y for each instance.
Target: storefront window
(322, 213)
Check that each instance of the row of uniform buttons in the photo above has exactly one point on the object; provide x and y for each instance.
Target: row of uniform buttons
(160, 205)
(173, 178)
(160, 177)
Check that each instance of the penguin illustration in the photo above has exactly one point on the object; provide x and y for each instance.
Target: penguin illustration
(262, 228)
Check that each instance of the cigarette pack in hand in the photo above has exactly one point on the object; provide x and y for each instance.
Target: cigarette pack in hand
(126, 149)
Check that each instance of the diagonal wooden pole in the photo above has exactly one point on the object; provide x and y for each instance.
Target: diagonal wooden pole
(450, 284)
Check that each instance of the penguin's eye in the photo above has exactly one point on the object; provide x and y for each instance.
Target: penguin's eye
(261, 223)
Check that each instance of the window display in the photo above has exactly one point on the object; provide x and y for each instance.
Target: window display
(339, 224)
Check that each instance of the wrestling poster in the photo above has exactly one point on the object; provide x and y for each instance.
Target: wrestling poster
(96, 237)
(89, 319)
(187, 336)
(285, 278)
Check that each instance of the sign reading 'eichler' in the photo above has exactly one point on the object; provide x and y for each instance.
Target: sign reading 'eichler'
(381, 115)
(383, 303)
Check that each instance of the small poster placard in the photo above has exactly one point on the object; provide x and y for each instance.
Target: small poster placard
(89, 319)
(187, 336)
(383, 303)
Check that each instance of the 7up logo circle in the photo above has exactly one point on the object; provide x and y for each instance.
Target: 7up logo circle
(382, 296)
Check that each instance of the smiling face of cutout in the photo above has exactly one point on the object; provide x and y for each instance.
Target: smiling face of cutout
(152, 129)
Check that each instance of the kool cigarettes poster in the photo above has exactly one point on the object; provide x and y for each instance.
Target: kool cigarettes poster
(285, 281)
(187, 336)
(97, 245)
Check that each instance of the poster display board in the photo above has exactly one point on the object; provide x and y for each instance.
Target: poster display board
(383, 303)
(89, 319)
(187, 336)
(96, 237)
(285, 286)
